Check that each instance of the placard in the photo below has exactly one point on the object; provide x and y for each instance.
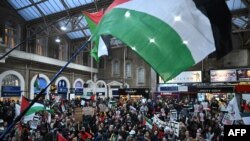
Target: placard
(173, 115)
(88, 111)
(103, 108)
(78, 114)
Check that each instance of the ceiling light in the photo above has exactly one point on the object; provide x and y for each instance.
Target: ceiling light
(58, 40)
(63, 28)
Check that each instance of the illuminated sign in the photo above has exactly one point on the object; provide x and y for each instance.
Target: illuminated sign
(185, 77)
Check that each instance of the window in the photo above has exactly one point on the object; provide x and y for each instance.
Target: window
(141, 75)
(116, 68)
(11, 80)
(41, 46)
(128, 70)
(11, 34)
(63, 53)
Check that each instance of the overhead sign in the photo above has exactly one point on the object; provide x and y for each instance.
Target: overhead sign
(216, 89)
(78, 91)
(243, 74)
(223, 75)
(11, 91)
(62, 87)
(185, 77)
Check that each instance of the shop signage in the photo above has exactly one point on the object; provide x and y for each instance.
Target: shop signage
(62, 90)
(100, 93)
(62, 87)
(78, 91)
(11, 91)
(169, 89)
(228, 89)
(115, 93)
(185, 77)
(134, 91)
(243, 74)
(223, 75)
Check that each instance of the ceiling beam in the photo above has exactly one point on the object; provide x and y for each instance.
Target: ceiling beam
(72, 11)
(240, 12)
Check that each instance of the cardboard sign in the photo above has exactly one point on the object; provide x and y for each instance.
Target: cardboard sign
(103, 108)
(78, 114)
(88, 111)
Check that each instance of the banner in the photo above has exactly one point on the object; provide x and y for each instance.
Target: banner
(175, 126)
(233, 110)
(226, 120)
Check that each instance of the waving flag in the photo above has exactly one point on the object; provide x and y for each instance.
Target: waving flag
(101, 43)
(24, 103)
(60, 137)
(100, 47)
(147, 122)
(221, 20)
(36, 84)
(31, 112)
(171, 35)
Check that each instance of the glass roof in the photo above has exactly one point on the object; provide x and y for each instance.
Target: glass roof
(78, 34)
(242, 21)
(33, 9)
(29, 9)
(235, 4)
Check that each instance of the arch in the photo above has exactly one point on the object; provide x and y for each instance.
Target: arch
(17, 74)
(91, 87)
(101, 81)
(101, 89)
(110, 89)
(91, 84)
(78, 79)
(67, 82)
(32, 85)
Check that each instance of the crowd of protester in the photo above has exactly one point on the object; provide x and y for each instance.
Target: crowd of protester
(118, 122)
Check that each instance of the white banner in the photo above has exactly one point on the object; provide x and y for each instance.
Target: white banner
(185, 77)
(175, 126)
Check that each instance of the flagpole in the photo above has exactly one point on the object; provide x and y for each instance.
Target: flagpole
(18, 45)
(43, 90)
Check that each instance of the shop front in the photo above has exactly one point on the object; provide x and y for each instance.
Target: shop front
(225, 93)
(181, 86)
(134, 93)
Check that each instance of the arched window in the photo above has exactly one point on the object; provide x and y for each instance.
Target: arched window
(141, 75)
(11, 80)
(116, 68)
(128, 70)
(12, 33)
